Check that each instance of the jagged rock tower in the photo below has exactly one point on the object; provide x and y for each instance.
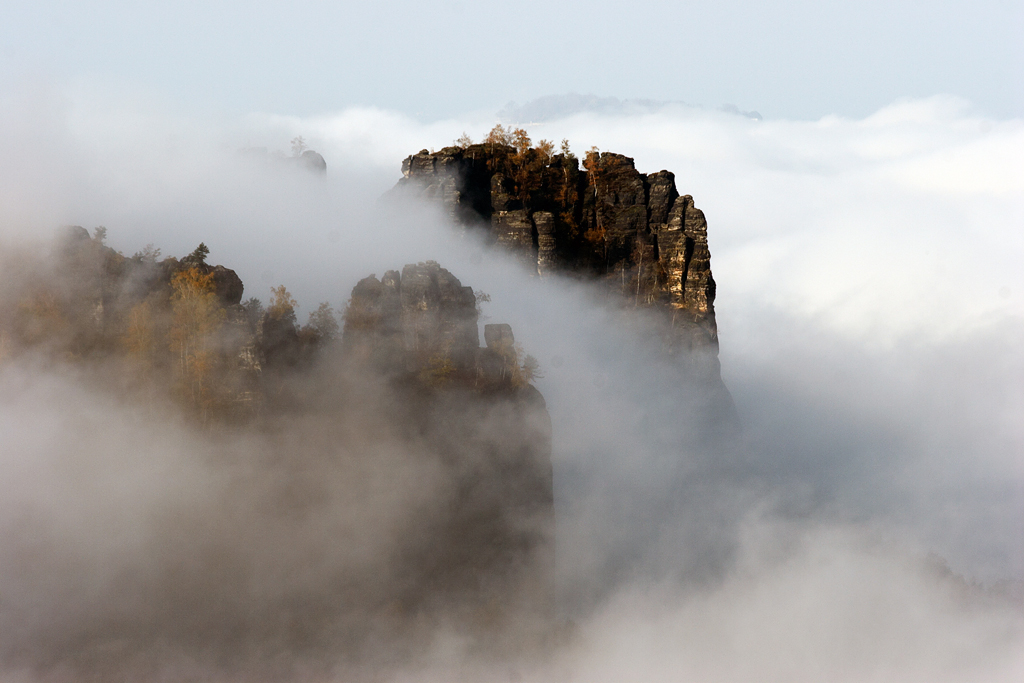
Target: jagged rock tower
(630, 230)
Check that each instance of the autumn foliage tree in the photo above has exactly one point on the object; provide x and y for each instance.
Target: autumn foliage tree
(139, 338)
(511, 153)
(196, 318)
(499, 136)
(438, 370)
(281, 339)
(282, 305)
(518, 368)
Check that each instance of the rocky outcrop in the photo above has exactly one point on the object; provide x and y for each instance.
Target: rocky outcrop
(406, 321)
(308, 160)
(312, 161)
(423, 322)
(407, 430)
(632, 231)
(474, 406)
(94, 287)
(90, 301)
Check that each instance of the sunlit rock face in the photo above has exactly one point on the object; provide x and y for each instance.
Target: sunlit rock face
(632, 231)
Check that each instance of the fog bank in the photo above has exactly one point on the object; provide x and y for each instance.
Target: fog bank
(866, 524)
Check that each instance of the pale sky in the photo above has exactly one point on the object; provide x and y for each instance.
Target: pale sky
(800, 59)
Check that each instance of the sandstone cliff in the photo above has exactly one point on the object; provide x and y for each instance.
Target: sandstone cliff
(632, 231)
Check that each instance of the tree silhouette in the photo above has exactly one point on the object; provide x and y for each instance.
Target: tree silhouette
(323, 323)
(198, 256)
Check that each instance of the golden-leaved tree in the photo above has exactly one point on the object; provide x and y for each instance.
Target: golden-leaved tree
(282, 304)
(196, 319)
(139, 338)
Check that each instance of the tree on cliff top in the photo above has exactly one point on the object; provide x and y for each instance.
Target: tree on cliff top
(511, 153)
(197, 257)
(148, 254)
(323, 324)
(282, 305)
(518, 368)
(197, 316)
(499, 135)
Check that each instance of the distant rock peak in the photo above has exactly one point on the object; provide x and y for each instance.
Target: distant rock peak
(306, 159)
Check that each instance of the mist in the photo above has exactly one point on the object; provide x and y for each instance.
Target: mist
(865, 522)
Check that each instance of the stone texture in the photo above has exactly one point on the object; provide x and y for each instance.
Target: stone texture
(660, 196)
(514, 231)
(547, 243)
(631, 231)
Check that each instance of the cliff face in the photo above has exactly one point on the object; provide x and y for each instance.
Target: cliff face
(632, 231)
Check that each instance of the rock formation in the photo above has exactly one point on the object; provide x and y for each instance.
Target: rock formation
(176, 327)
(632, 231)
(308, 159)
(424, 321)
(313, 161)
(477, 408)
(95, 287)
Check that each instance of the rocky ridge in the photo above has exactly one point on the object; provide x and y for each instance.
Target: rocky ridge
(408, 361)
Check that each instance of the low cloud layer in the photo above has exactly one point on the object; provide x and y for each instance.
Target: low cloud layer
(866, 525)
